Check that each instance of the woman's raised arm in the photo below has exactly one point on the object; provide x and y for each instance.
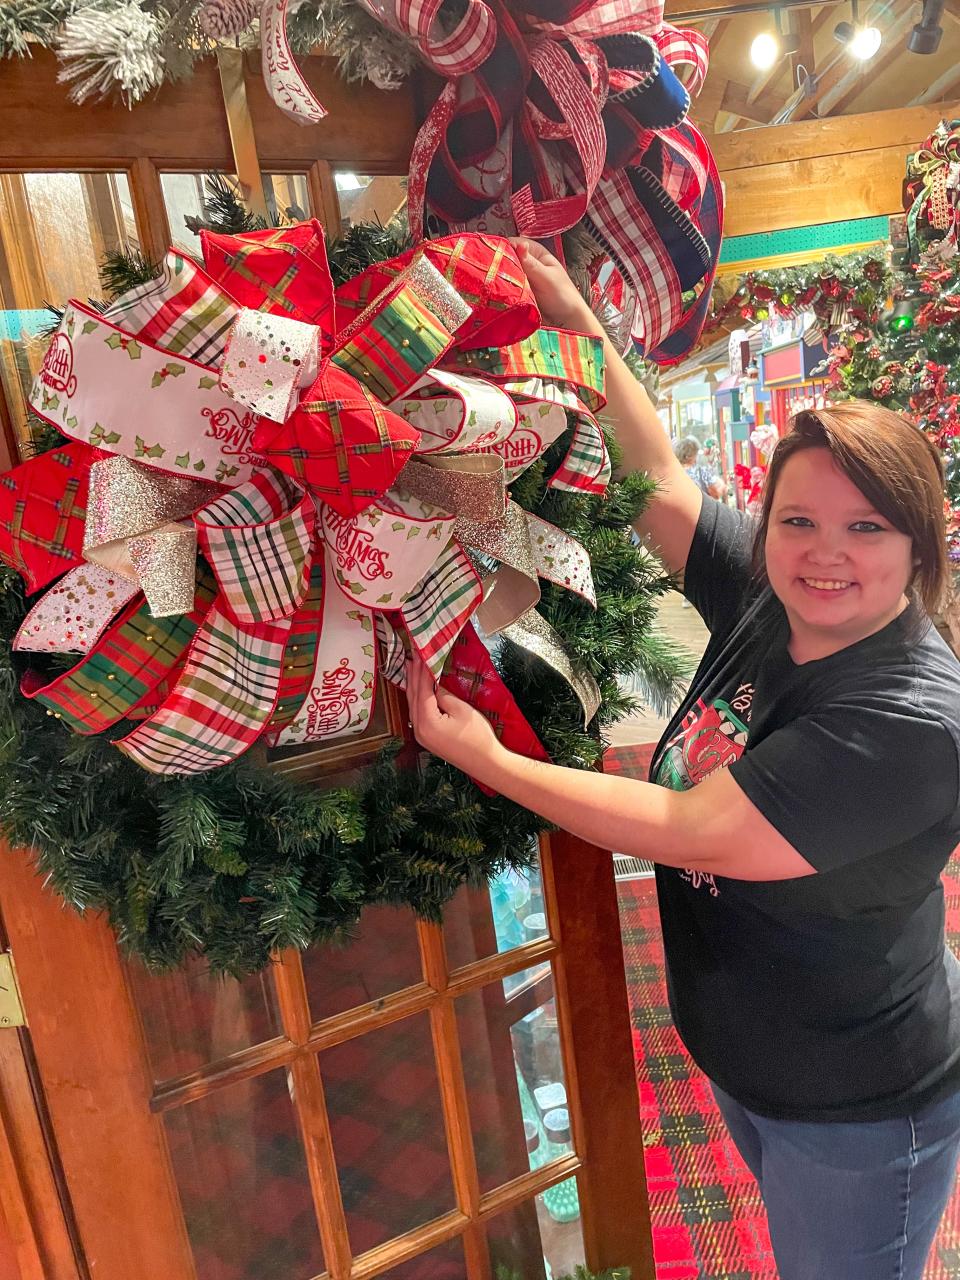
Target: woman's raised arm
(667, 526)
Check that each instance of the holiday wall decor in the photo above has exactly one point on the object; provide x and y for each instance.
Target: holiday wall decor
(837, 289)
(567, 121)
(314, 560)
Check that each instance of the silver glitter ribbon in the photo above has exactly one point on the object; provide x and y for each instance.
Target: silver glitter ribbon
(130, 530)
(535, 634)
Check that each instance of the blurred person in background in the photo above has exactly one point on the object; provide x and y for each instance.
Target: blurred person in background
(698, 467)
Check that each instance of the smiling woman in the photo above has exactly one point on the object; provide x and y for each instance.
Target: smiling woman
(803, 802)
(852, 526)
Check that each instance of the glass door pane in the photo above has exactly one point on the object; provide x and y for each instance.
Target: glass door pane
(184, 195)
(365, 197)
(54, 231)
(241, 1172)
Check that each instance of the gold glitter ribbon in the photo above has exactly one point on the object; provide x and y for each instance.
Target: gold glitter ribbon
(535, 634)
(131, 530)
(472, 488)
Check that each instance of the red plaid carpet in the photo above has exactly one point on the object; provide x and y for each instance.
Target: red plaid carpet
(708, 1220)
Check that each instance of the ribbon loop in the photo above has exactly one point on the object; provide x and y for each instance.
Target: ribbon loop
(130, 530)
(258, 539)
(522, 143)
(266, 360)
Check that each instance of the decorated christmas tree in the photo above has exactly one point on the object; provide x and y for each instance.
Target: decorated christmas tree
(908, 358)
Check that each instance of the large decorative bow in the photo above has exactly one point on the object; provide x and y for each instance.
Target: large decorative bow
(932, 190)
(341, 463)
(558, 112)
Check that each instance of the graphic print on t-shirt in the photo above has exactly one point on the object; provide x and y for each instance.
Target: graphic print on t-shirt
(710, 737)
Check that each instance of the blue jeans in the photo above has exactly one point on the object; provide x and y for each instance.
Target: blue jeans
(850, 1201)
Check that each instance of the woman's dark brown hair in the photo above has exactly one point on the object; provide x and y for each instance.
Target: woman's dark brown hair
(895, 466)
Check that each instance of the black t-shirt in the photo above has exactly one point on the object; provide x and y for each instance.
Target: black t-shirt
(831, 996)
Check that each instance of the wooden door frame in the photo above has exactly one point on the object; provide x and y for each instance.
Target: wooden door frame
(127, 1208)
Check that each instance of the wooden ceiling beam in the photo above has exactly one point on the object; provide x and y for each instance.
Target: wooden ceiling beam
(941, 87)
(757, 107)
(801, 25)
(681, 11)
(706, 105)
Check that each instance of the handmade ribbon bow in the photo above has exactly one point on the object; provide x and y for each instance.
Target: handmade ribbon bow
(275, 431)
(569, 111)
(558, 113)
(933, 189)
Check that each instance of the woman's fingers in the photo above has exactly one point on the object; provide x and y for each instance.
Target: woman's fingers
(528, 248)
(421, 695)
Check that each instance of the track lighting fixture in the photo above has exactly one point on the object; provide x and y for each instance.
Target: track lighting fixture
(768, 46)
(764, 50)
(925, 36)
(862, 42)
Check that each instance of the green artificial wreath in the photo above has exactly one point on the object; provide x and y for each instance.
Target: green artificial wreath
(241, 861)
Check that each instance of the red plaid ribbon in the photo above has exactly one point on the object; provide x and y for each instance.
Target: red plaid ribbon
(452, 48)
(571, 97)
(472, 676)
(43, 508)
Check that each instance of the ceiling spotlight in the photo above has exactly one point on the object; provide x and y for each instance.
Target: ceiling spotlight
(865, 43)
(925, 36)
(862, 42)
(764, 50)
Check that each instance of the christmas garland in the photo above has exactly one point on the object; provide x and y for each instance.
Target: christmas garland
(130, 47)
(238, 862)
(836, 289)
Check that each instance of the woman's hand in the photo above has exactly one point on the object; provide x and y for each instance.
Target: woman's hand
(558, 298)
(446, 725)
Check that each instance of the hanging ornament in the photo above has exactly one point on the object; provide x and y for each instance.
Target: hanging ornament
(763, 313)
(220, 19)
(788, 297)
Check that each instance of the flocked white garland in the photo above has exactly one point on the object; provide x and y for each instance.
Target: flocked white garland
(127, 48)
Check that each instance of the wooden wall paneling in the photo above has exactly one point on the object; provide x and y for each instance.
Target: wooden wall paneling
(803, 193)
(837, 135)
(581, 899)
(803, 174)
(121, 1188)
(39, 128)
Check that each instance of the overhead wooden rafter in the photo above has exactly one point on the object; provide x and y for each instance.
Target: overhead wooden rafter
(677, 11)
(838, 168)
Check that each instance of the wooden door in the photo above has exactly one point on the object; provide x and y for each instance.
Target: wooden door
(426, 1103)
